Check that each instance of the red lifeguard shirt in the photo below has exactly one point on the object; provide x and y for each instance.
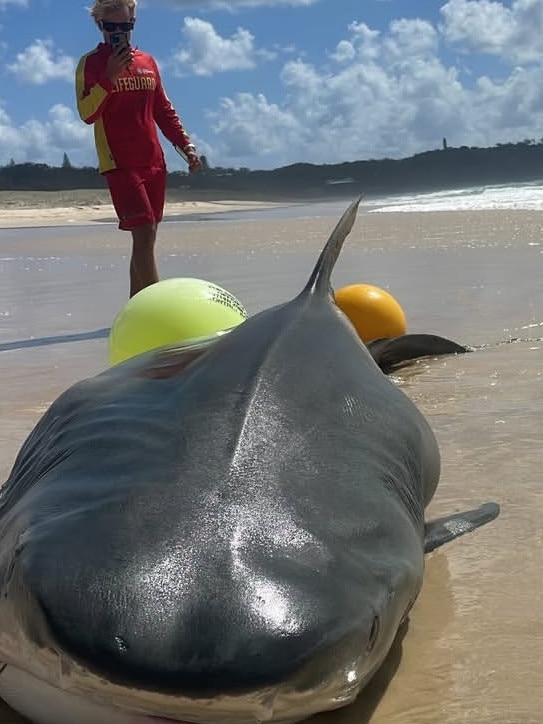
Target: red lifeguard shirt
(126, 114)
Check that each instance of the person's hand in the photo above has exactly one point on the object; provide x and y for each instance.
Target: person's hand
(192, 157)
(118, 61)
(188, 152)
(194, 162)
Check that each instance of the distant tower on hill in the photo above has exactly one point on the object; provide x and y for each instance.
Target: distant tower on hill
(445, 144)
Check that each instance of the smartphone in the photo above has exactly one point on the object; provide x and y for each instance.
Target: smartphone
(118, 40)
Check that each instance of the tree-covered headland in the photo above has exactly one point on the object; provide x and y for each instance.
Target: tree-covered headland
(445, 168)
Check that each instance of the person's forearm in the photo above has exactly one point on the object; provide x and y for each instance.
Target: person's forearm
(172, 128)
(168, 121)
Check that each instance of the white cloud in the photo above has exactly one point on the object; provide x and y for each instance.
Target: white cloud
(205, 52)
(39, 64)
(485, 26)
(411, 38)
(46, 141)
(252, 125)
(363, 43)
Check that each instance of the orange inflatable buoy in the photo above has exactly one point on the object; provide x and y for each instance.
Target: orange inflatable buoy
(373, 312)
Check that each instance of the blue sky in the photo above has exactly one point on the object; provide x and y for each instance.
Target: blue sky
(266, 83)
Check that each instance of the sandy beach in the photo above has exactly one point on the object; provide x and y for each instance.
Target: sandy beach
(474, 646)
(76, 208)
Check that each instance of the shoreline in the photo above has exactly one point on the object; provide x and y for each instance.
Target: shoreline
(36, 212)
(33, 210)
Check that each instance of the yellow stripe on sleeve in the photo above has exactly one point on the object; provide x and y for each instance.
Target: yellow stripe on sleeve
(106, 161)
(88, 104)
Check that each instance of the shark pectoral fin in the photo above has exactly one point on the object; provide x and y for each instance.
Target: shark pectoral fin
(394, 351)
(442, 530)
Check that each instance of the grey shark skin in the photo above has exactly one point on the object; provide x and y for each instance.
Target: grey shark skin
(230, 533)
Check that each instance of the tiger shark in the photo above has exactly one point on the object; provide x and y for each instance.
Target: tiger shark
(224, 533)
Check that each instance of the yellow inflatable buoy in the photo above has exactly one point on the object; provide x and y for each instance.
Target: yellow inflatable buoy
(169, 312)
(373, 312)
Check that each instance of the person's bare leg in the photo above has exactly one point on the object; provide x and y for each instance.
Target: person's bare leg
(143, 268)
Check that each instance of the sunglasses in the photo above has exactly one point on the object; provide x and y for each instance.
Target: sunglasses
(110, 27)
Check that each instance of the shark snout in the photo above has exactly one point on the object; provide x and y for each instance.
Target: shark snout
(265, 627)
(231, 647)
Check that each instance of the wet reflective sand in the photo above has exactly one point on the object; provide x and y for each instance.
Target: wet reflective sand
(473, 650)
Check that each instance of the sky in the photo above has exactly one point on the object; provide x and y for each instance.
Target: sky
(261, 84)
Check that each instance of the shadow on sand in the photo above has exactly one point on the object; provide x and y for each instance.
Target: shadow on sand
(54, 339)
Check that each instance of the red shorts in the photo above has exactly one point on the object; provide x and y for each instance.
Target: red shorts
(138, 195)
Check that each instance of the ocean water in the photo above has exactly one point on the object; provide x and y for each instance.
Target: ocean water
(465, 264)
(522, 196)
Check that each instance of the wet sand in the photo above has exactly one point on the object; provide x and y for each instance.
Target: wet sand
(473, 650)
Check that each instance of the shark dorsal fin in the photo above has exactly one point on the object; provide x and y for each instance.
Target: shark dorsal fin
(319, 282)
